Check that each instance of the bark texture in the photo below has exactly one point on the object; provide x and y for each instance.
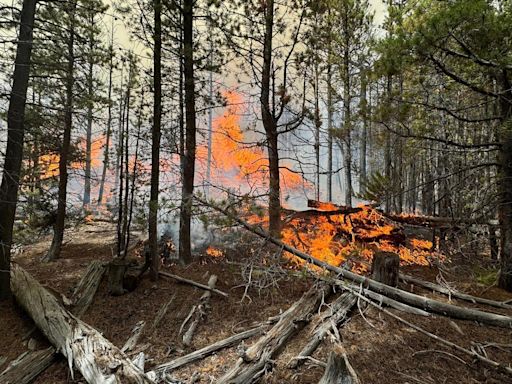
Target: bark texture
(98, 360)
(15, 138)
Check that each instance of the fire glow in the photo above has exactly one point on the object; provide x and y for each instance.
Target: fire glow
(350, 239)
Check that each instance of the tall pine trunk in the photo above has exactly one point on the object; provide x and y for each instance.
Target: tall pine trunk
(155, 143)
(15, 136)
(185, 251)
(109, 125)
(90, 104)
(505, 189)
(269, 123)
(58, 229)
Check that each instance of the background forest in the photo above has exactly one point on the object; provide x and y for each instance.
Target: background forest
(177, 120)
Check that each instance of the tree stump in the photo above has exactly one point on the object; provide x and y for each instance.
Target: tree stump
(116, 271)
(385, 268)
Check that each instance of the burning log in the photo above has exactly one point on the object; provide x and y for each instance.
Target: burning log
(385, 268)
(30, 365)
(339, 370)
(96, 358)
(332, 317)
(198, 312)
(258, 358)
(412, 299)
(191, 282)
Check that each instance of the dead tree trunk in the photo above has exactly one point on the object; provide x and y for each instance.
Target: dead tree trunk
(339, 370)
(332, 317)
(199, 312)
(30, 365)
(258, 358)
(98, 360)
(385, 268)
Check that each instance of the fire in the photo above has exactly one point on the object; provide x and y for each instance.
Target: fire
(214, 252)
(234, 157)
(49, 163)
(351, 239)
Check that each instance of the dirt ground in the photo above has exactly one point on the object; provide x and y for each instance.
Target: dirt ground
(380, 349)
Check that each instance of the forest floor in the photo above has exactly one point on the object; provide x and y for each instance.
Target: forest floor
(381, 349)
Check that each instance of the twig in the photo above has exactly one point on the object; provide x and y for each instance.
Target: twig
(191, 282)
(439, 351)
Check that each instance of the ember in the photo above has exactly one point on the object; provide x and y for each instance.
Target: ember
(214, 252)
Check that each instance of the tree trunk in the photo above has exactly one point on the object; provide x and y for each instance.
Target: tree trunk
(109, 122)
(155, 143)
(269, 123)
(185, 250)
(347, 121)
(90, 104)
(505, 188)
(364, 133)
(58, 230)
(339, 370)
(329, 130)
(318, 124)
(15, 138)
(385, 268)
(98, 360)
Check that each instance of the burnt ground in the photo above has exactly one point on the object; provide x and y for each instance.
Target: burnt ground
(381, 349)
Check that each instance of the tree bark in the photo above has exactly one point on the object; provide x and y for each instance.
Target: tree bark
(385, 268)
(339, 370)
(15, 137)
(505, 189)
(98, 360)
(185, 250)
(257, 359)
(155, 143)
(269, 123)
(333, 316)
(58, 230)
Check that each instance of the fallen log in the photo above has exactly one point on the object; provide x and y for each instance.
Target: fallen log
(339, 370)
(472, 353)
(332, 317)
(397, 294)
(163, 369)
(452, 293)
(134, 337)
(98, 360)
(257, 360)
(194, 283)
(161, 313)
(87, 287)
(199, 312)
(33, 363)
(27, 366)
